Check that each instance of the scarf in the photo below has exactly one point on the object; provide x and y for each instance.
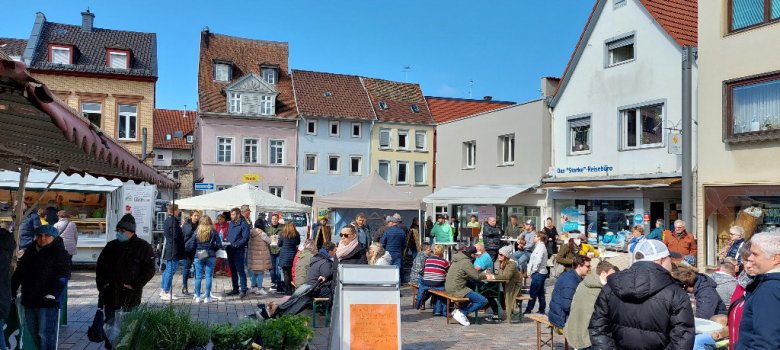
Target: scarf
(324, 252)
(345, 249)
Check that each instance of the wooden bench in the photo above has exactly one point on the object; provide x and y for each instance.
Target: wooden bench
(320, 301)
(450, 300)
(415, 288)
(543, 339)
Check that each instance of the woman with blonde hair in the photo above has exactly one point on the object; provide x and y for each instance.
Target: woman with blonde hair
(378, 256)
(205, 243)
(288, 247)
(433, 278)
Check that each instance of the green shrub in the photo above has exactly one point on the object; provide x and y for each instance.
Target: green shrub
(223, 336)
(286, 332)
(199, 335)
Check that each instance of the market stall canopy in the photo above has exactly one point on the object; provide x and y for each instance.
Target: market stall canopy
(42, 132)
(482, 194)
(39, 180)
(372, 192)
(237, 196)
(613, 184)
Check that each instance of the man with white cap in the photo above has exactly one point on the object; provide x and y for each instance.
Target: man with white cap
(524, 254)
(643, 307)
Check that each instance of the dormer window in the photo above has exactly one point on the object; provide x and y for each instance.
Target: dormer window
(118, 59)
(60, 54)
(189, 138)
(167, 137)
(222, 71)
(269, 74)
(382, 105)
(267, 105)
(235, 102)
(415, 109)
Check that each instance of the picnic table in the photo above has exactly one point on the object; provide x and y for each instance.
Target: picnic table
(490, 289)
(608, 255)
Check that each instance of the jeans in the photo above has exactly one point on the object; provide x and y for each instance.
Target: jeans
(275, 271)
(536, 291)
(287, 283)
(439, 307)
(204, 266)
(256, 277)
(476, 302)
(522, 258)
(2, 332)
(238, 273)
(399, 263)
(167, 278)
(185, 270)
(42, 325)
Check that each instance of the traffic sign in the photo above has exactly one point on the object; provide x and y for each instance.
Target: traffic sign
(204, 186)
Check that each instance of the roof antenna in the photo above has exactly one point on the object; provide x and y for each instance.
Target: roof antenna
(407, 69)
(185, 112)
(471, 87)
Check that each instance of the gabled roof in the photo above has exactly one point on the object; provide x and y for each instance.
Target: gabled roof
(169, 121)
(331, 95)
(249, 83)
(446, 109)
(13, 47)
(91, 50)
(678, 18)
(399, 99)
(245, 56)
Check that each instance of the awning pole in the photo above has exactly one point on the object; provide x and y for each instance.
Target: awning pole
(19, 215)
(45, 191)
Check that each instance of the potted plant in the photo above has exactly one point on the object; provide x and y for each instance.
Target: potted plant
(286, 332)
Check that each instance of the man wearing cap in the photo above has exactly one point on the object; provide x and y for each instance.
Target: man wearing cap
(643, 305)
(759, 328)
(528, 236)
(124, 267)
(42, 272)
(442, 231)
(394, 241)
(462, 272)
(491, 236)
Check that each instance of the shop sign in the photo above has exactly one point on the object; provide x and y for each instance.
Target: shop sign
(486, 211)
(675, 142)
(585, 169)
(250, 178)
(646, 218)
(322, 213)
(138, 200)
(638, 219)
(571, 218)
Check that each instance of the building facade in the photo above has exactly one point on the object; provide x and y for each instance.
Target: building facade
(246, 129)
(172, 149)
(402, 136)
(739, 123)
(617, 109)
(334, 133)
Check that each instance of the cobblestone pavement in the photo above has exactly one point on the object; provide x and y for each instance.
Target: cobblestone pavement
(420, 329)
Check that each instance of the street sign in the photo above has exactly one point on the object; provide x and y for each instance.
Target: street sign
(204, 186)
(250, 178)
(675, 142)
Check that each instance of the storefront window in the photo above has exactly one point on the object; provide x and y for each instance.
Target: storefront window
(596, 217)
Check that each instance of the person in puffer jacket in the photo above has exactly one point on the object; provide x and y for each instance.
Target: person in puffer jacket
(643, 307)
(491, 236)
(708, 302)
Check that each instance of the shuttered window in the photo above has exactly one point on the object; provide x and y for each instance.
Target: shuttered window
(748, 13)
(118, 60)
(419, 140)
(60, 55)
(384, 138)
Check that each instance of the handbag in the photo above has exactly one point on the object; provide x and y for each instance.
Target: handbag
(201, 254)
(95, 332)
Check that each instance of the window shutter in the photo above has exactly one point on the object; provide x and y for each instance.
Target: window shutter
(419, 140)
(574, 123)
(384, 138)
(118, 61)
(60, 56)
(621, 42)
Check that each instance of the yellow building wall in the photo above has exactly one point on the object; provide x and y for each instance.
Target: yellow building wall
(723, 57)
(393, 154)
(109, 92)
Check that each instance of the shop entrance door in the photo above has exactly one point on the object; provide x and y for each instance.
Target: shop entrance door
(657, 212)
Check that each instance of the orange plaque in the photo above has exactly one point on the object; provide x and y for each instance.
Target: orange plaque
(373, 326)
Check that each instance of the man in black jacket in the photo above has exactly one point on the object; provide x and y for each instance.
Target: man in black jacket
(7, 248)
(321, 270)
(173, 251)
(43, 274)
(188, 229)
(643, 307)
(491, 236)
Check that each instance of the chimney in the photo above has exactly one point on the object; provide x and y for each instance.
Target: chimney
(87, 19)
(488, 98)
(204, 36)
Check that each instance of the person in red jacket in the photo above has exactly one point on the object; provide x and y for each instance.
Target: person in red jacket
(222, 229)
(738, 298)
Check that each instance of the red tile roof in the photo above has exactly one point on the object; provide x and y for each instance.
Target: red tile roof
(446, 109)
(399, 99)
(13, 47)
(331, 95)
(246, 56)
(168, 121)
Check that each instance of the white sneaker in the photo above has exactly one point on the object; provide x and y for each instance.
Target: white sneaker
(460, 317)
(207, 300)
(255, 290)
(166, 296)
(197, 300)
(214, 297)
(261, 291)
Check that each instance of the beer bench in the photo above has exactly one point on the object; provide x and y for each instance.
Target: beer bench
(450, 300)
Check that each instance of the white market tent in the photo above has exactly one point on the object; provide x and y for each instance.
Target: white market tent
(237, 196)
(372, 192)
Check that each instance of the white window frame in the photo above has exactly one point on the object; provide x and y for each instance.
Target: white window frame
(257, 147)
(309, 123)
(360, 165)
(234, 102)
(470, 154)
(190, 139)
(389, 138)
(424, 173)
(228, 70)
(175, 174)
(506, 159)
(623, 123)
(331, 124)
(99, 111)
(276, 191)
(168, 137)
(417, 145)
(359, 130)
(273, 76)
(266, 105)
(111, 55)
(131, 120)
(398, 165)
(306, 163)
(338, 164)
(389, 169)
(405, 134)
(579, 120)
(160, 156)
(616, 43)
(271, 154)
(61, 48)
(232, 144)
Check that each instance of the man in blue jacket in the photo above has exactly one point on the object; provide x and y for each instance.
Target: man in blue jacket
(394, 241)
(564, 289)
(759, 328)
(238, 236)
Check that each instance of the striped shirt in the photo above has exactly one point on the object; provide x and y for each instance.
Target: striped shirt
(435, 270)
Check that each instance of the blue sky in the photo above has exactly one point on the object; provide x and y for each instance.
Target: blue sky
(504, 46)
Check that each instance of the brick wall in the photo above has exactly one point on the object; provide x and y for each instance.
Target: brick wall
(108, 92)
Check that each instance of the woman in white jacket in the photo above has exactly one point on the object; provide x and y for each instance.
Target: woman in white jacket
(378, 256)
(537, 269)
